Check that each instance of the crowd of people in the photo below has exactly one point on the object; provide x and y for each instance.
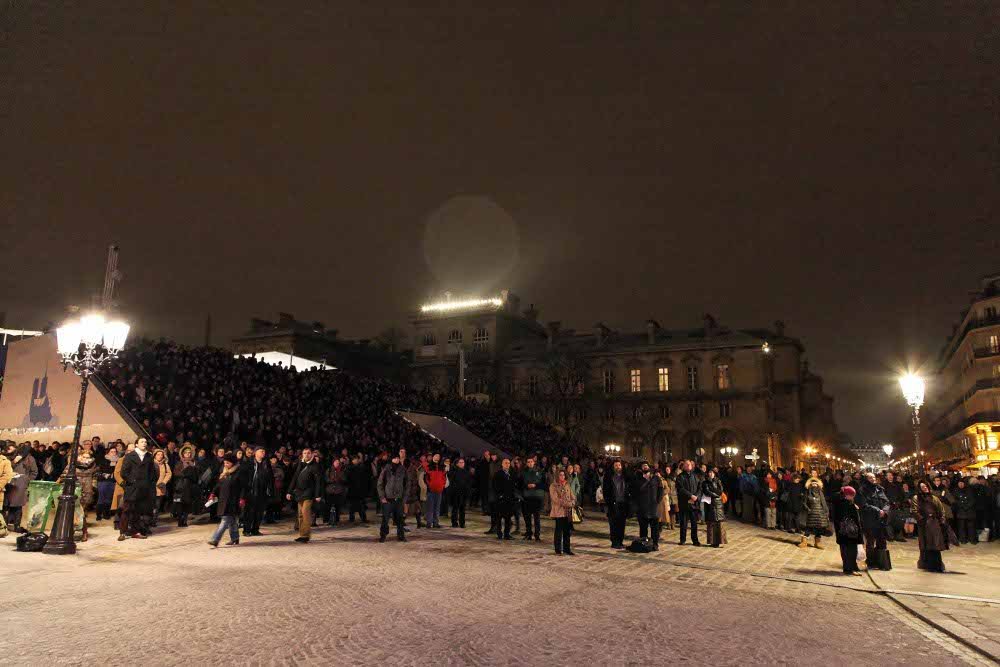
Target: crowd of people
(246, 443)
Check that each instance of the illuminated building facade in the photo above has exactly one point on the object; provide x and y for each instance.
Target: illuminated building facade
(659, 393)
(965, 413)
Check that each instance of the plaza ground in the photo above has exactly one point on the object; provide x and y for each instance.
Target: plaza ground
(460, 597)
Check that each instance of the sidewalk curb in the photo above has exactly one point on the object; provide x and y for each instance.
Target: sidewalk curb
(982, 645)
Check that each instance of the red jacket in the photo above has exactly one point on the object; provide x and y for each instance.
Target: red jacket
(435, 480)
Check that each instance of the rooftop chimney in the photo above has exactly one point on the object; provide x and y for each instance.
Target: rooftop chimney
(711, 326)
(652, 326)
(601, 333)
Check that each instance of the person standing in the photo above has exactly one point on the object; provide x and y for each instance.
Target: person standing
(847, 524)
(305, 487)
(649, 497)
(927, 508)
(715, 510)
(257, 486)
(616, 500)
(668, 505)
(6, 477)
(435, 479)
(228, 492)
(163, 477)
(688, 491)
(965, 513)
(533, 492)
(25, 470)
(187, 492)
(562, 503)
(505, 491)
(874, 506)
(336, 491)
(357, 490)
(139, 477)
(459, 482)
(392, 491)
(817, 514)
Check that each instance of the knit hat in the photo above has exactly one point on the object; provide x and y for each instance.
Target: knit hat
(848, 491)
(230, 457)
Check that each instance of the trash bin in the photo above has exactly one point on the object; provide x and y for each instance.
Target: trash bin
(43, 498)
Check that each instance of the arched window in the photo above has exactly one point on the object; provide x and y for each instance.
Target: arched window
(455, 336)
(480, 338)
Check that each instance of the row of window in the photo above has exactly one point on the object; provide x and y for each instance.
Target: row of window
(694, 411)
(480, 338)
(723, 379)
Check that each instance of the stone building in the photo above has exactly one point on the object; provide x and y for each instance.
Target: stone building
(964, 415)
(658, 393)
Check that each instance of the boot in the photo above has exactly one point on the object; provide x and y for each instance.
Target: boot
(804, 544)
(419, 525)
(817, 544)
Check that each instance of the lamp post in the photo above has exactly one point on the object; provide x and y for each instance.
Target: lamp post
(86, 345)
(913, 391)
(612, 449)
(729, 452)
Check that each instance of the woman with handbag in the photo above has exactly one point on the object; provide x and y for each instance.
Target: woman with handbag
(929, 511)
(715, 510)
(562, 501)
(847, 524)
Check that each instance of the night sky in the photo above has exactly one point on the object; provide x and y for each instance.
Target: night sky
(832, 165)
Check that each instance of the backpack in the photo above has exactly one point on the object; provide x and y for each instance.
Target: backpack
(640, 547)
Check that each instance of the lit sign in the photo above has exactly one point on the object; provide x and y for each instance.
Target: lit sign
(447, 306)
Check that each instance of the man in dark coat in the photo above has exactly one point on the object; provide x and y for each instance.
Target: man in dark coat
(505, 489)
(459, 482)
(647, 506)
(257, 483)
(139, 476)
(306, 488)
(874, 505)
(688, 490)
(616, 498)
(358, 480)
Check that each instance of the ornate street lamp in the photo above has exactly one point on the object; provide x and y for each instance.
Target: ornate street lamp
(913, 391)
(612, 449)
(729, 452)
(85, 345)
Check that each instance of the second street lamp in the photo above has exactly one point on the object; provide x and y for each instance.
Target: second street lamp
(85, 345)
(913, 391)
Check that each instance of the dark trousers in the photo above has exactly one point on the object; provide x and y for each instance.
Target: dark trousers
(688, 515)
(532, 517)
(617, 515)
(357, 505)
(134, 522)
(458, 500)
(394, 509)
(253, 513)
(561, 536)
(335, 503)
(503, 518)
(649, 528)
(967, 531)
(792, 521)
(849, 557)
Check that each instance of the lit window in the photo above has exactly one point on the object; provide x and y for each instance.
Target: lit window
(694, 411)
(996, 371)
(455, 336)
(994, 344)
(663, 376)
(725, 409)
(430, 339)
(635, 380)
(609, 381)
(722, 377)
(664, 412)
(693, 378)
(480, 338)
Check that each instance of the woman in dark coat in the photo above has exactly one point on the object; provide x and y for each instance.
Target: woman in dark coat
(815, 517)
(23, 464)
(187, 493)
(927, 508)
(228, 491)
(714, 511)
(965, 513)
(847, 523)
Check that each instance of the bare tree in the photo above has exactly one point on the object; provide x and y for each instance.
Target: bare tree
(566, 390)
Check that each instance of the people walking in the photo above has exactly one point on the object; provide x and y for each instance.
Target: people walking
(306, 488)
(228, 492)
(714, 510)
(562, 503)
(392, 491)
(848, 527)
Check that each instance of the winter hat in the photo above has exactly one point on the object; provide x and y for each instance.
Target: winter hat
(848, 491)
(230, 457)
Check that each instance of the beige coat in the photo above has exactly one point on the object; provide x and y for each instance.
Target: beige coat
(6, 475)
(669, 499)
(116, 499)
(563, 500)
(165, 475)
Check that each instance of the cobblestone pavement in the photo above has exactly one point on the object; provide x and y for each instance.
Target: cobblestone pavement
(454, 597)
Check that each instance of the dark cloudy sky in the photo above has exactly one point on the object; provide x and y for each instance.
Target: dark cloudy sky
(830, 164)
